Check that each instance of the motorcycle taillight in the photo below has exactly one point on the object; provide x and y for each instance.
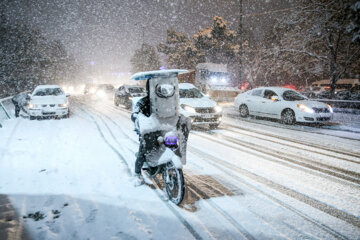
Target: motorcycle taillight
(171, 141)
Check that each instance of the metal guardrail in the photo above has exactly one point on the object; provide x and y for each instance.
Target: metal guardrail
(3, 109)
(336, 100)
(341, 104)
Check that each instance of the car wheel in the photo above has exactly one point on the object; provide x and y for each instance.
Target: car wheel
(32, 118)
(116, 102)
(288, 117)
(244, 111)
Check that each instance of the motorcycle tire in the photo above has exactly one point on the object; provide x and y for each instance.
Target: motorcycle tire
(174, 183)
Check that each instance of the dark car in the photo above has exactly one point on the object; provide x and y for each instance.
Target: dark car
(125, 94)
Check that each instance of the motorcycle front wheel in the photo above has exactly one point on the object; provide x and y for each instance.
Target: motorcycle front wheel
(174, 183)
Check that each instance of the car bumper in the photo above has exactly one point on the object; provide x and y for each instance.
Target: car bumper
(41, 112)
(314, 118)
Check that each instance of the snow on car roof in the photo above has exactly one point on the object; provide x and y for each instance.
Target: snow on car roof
(47, 86)
(133, 86)
(276, 89)
(157, 73)
(186, 86)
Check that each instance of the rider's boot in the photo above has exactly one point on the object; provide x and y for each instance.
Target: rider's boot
(139, 180)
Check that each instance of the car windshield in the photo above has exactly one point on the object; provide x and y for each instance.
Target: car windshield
(291, 95)
(190, 93)
(136, 90)
(49, 92)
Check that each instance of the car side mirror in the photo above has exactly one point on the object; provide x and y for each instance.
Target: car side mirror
(28, 97)
(67, 95)
(275, 98)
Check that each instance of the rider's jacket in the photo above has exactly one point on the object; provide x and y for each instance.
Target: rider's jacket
(142, 106)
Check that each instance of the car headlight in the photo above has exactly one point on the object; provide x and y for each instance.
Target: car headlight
(92, 90)
(31, 105)
(188, 108)
(63, 105)
(218, 109)
(305, 108)
(100, 93)
(330, 108)
(214, 80)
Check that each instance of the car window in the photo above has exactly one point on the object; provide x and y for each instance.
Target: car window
(269, 94)
(190, 93)
(49, 92)
(256, 92)
(136, 90)
(291, 95)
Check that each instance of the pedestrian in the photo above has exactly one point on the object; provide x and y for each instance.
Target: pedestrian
(15, 101)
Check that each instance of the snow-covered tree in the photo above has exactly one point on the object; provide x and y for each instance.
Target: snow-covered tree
(28, 59)
(145, 59)
(180, 50)
(314, 40)
(217, 43)
(354, 26)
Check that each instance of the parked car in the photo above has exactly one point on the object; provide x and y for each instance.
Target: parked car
(282, 103)
(200, 108)
(48, 100)
(126, 93)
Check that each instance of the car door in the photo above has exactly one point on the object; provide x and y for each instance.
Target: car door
(269, 106)
(253, 101)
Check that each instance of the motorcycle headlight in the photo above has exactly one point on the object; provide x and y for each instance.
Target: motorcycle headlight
(188, 108)
(305, 108)
(218, 109)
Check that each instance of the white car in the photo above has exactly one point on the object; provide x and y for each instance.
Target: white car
(200, 108)
(282, 103)
(48, 100)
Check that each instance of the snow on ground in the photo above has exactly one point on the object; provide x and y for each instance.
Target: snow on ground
(77, 172)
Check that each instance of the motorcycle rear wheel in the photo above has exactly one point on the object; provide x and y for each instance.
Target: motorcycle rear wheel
(174, 183)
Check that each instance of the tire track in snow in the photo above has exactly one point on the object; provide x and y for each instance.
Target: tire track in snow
(349, 218)
(314, 145)
(286, 140)
(120, 156)
(342, 174)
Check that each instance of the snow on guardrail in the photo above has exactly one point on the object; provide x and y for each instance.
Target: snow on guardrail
(4, 113)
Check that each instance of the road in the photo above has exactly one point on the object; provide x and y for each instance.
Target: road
(249, 179)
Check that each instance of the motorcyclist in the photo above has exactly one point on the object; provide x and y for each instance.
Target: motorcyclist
(142, 106)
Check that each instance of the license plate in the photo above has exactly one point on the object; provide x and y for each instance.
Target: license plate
(207, 115)
(48, 113)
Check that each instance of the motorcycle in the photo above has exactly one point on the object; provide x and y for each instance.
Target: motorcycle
(164, 133)
(163, 158)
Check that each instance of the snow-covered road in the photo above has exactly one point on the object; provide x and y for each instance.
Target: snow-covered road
(246, 180)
